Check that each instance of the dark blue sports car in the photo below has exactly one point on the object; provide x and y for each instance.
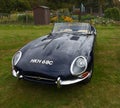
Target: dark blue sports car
(63, 57)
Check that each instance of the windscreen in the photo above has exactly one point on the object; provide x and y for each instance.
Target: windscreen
(71, 27)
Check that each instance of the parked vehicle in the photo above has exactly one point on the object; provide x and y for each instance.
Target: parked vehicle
(63, 57)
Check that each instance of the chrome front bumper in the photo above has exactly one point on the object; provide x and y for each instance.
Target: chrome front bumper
(59, 82)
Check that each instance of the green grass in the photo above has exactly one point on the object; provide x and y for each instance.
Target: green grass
(102, 92)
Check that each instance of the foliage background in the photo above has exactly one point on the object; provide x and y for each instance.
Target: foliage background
(9, 6)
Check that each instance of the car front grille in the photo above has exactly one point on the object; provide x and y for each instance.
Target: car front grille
(40, 79)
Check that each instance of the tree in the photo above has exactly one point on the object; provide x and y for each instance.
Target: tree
(91, 6)
(101, 4)
(6, 6)
(21, 5)
(113, 13)
(109, 4)
(117, 3)
(35, 3)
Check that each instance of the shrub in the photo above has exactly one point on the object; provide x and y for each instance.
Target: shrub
(67, 19)
(25, 18)
(113, 13)
(102, 21)
(61, 19)
(87, 17)
(75, 17)
(54, 19)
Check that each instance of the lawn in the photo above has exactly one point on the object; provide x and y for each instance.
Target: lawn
(102, 92)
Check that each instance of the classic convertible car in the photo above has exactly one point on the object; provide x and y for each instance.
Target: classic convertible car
(63, 57)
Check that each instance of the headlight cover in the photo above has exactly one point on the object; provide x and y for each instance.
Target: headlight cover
(16, 58)
(78, 66)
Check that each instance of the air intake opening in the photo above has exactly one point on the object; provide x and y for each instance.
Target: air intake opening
(74, 38)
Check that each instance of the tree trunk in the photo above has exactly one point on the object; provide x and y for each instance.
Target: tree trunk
(101, 10)
(91, 10)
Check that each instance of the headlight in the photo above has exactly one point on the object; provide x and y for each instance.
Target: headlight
(79, 65)
(16, 58)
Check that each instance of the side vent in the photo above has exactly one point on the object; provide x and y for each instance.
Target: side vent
(44, 39)
(74, 38)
